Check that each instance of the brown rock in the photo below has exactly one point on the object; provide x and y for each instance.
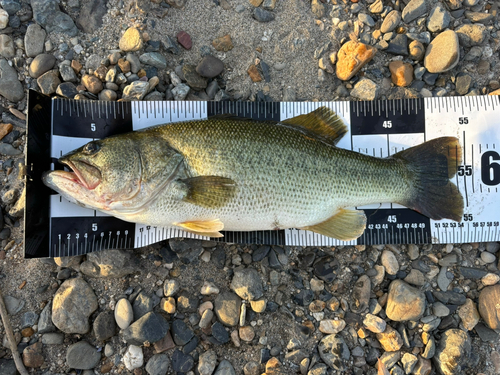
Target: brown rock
(141, 73)
(390, 339)
(247, 333)
(177, 3)
(496, 92)
(27, 332)
(106, 367)
(254, 74)
(401, 73)
(352, 56)
(184, 39)
(101, 73)
(423, 367)
(256, 3)
(32, 355)
(124, 65)
(417, 50)
(166, 343)
(92, 84)
(5, 129)
(489, 306)
(76, 66)
(223, 43)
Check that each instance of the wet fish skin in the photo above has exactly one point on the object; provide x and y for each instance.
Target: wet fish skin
(243, 175)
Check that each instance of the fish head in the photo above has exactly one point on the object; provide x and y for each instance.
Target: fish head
(102, 172)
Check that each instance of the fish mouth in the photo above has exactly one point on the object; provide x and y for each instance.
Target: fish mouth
(82, 174)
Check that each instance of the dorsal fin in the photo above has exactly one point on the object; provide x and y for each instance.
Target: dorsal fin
(322, 124)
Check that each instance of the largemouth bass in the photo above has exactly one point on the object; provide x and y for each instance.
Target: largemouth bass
(243, 175)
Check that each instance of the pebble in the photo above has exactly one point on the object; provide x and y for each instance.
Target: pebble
(416, 51)
(10, 87)
(207, 362)
(41, 64)
(388, 258)
(52, 338)
(439, 18)
(154, 59)
(131, 40)
(471, 35)
(409, 361)
(463, 83)
(184, 40)
(33, 355)
(151, 327)
(124, 314)
(254, 73)
(195, 81)
(398, 45)
(366, 19)
(220, 333)
(442, 53)
(351, 57)
(49, 82)
(181, 334)
(331, 326)
(227, 308)
(391, 21)
(404, 302)
(490, 279)
(92, 84)
(4, 19)
(263, 15)
(82, 356)
(247, 333)
(34, 40)
(414, 9)
(365, 89)
(468, 314)
(45, 321)
(318, 9)
(225, 368)
(104, 326)
(247, 284)
(486, 256)
(72, 306)
(7, 48)
(133, 357)
(107, 95)
(48, 15)
(443, 280)
(452, 353)
(180, 91)
(158, 364)
(374, 324)
(210, 67)
(390, 339)
(334, 352)
(489, 300)
(182, 362)
(223, 44)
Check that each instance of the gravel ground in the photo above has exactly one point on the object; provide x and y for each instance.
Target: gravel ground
(199, 307)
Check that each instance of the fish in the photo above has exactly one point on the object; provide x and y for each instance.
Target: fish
(228, 173)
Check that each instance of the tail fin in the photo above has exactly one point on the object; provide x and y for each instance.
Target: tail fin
(432, 164)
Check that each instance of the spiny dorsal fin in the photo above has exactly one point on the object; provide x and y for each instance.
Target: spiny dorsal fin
(345, 225)
(323, 124)
(208, 228)
(209, 191)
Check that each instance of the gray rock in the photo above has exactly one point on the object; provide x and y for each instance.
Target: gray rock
(13, 305)
(34, 40)
(8, 367)
(29, 319)
(263, 15)
(10, 87)
(391, 21)
(415, 277)
(52, 338)
(318, 8)
(398, 45)
(154, 59)
(90, 15)
(136, 90)
(366, 19)
(67, 73)
(414, 9)
(151, 328)
(207, 362)
(11, 6)
(439, 18)
(440, 310)
(68, 90)
(247, 284)
(486, 256)
(7, 149)
(463, 83)
(93, 62)
(104, 325)
(73, 303)
(170, 45)
(210, 67)
(365, 89)
(171, 287)
(158, 365)
(225, 367)
(109, 263)
(49, 82)
(180, 91)
(45, 322)
(334, 352)
(7, 49)
(108, 95)
(47, 14)
(227, 308)
(82, 356)
(443, 280)
(360, 297)
(430, 348)
(181, 333)
(143, 304)
(409, 361)
(472, 35)
(452, 353)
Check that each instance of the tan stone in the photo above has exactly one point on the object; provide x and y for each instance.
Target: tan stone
(404, 302)
(131, 40)
(223, 43)
(469, 314)
(76, 66)
(442, 53)
(330, 326)
(247, 333)
(352, 56)
(124, 65)
(489, 306)
(168, 305)
(258, 306)
(92, 84)
(317, 306)
(254, 74)
(33, 356)
(496, 92)
(417, 50)
(256, 3)
(5, 129)
(401, 73)
(390, 339)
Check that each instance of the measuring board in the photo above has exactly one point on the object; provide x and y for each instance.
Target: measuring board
(55, 227)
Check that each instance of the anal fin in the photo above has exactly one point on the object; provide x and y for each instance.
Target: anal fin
(345, 225)
(208, 228)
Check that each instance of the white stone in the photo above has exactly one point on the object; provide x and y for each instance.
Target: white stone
(209, 288)
(133, 358)
(4, 19)
(124, 314)
(490, 279)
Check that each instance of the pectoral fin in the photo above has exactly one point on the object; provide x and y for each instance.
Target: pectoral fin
(209, 191)
(208, 228)
(345, 225)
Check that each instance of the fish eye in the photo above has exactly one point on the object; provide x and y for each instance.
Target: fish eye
(91, 148)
